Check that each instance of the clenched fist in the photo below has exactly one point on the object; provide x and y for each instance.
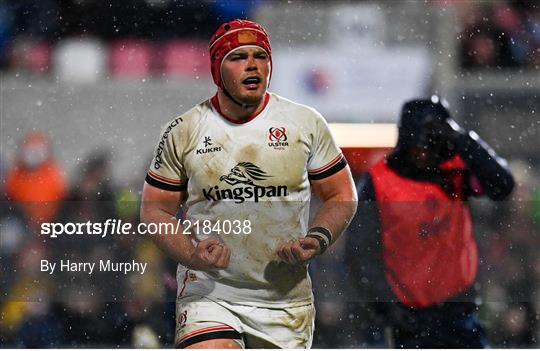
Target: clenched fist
(210, 255)
(298, 251)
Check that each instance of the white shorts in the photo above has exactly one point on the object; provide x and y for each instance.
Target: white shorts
(200, 319)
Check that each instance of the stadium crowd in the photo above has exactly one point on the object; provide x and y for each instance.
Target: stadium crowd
(36, 314)
(499, 34)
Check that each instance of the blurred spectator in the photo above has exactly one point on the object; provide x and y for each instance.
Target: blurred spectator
(411, 250)
(92, 195)
(500, 34)
(91, 198)
(36, 181)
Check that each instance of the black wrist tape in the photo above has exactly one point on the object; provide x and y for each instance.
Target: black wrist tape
(323, 235)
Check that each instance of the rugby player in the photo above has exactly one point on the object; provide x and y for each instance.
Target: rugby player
(252, 157)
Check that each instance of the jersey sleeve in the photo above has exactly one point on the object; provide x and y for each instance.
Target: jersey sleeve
(167, 171)
(325, 158)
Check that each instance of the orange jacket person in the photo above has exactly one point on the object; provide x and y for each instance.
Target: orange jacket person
(36, 181)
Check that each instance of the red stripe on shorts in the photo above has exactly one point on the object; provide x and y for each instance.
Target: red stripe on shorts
(204, 331)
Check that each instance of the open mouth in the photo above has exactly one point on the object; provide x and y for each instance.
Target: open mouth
(251, 82)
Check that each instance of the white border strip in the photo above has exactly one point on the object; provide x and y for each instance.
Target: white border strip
(364, 134)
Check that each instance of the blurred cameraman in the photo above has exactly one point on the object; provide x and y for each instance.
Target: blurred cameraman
(411, 252)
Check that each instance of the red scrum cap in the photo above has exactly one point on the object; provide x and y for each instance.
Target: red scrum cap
(232, 35)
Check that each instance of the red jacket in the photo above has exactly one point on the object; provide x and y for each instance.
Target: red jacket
(429, 251)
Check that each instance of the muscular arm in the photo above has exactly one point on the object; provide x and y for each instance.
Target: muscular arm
(339, 201)
(160, 206)
(338, 195)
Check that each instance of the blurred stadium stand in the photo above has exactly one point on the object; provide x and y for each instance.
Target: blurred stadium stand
(130, 59)
(110, 74)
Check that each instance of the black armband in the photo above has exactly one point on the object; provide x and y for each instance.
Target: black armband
(323, 235)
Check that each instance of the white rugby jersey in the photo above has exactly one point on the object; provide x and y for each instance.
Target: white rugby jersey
(257, 170)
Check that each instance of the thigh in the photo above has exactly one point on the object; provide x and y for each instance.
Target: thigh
(290, 328)
(202, 323)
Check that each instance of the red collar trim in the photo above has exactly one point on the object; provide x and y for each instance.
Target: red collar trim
(215, 103)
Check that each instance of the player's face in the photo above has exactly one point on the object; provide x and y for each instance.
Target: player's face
(245, 74)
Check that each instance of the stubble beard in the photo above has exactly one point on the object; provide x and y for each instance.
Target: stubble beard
(250, 98)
